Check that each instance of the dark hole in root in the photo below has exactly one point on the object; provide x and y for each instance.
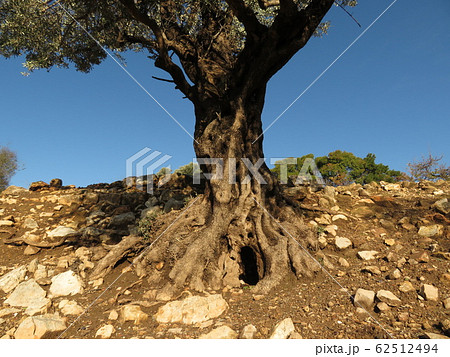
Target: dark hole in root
(249, 265)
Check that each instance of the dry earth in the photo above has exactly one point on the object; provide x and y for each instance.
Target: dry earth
(402, 228)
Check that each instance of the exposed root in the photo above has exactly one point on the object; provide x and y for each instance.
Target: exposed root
(128, 244)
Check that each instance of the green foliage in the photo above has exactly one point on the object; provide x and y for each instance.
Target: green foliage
(52, 32)
(429, 168)
(189, 169)
(145, 225)
(164, 171)
(8, 166)
(342, 168)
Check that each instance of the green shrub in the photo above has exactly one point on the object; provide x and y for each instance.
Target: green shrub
(343, 168)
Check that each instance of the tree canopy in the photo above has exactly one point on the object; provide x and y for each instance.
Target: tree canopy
(341, 168)
(212, 41)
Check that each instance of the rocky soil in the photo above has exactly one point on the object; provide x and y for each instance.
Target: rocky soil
(385, 250)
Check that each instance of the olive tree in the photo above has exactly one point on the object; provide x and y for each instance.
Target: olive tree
(220, 54)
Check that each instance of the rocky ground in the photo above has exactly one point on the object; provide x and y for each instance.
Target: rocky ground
(385, 249)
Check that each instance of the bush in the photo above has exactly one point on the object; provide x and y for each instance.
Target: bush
(8, 166)
(343, 168)
(429, 168)
(188, 169)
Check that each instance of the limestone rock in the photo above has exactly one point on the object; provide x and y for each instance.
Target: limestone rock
(343, 262)
(367, 254)
(70, 308)
(38, 186)
(343, 243)
(67, 283)
(132, 313)
(56, 183)
(338, 217)
(431, 231)
(388, 297)
(429, 292)
(395, 274)
(373, 269)
(364, 298)
(248, 332)
(383, 307)
(30, 223)
(446, 303)
(8, 311)
(30, 250)
(192, 310)
(362, 212)
(222, 332)
(14, 190)
(105, 331)
(61, 232)
(41, 272)
(43, 326)
(9, 281)
(113, 315)
(6, 223)
(30, 295)
(283, 329)
(433, 336)
(421, 256)
(442, 206)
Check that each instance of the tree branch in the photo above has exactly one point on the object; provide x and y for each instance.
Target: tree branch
(290, 32)
(163, 61)
(246, 15)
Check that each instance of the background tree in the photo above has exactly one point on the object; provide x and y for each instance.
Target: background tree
(188, 169)
(429, 168)
(343, 168)
(220, 55)
(8, 166)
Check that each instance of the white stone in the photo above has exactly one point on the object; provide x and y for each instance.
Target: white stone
(30, 223)
(406, 287)
(8, 311)
(367, 254)
(388, 297)
(6, 223)
(248, 332)
(41, 272)
(70, 308)
(429, 292)
(364, 298)
(192, 310)
(431, 231)
(9, 281)
(105, 331)
(67, 283)
(342, 243)
(133, 313)
(43, 326)
(339, 216)
(283, 329)
(30, 295)
(60, 232)
(222, 332)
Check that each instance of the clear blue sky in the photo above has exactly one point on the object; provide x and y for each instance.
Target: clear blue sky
(388, 95)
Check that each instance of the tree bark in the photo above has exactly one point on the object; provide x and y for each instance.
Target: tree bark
(242, 229)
